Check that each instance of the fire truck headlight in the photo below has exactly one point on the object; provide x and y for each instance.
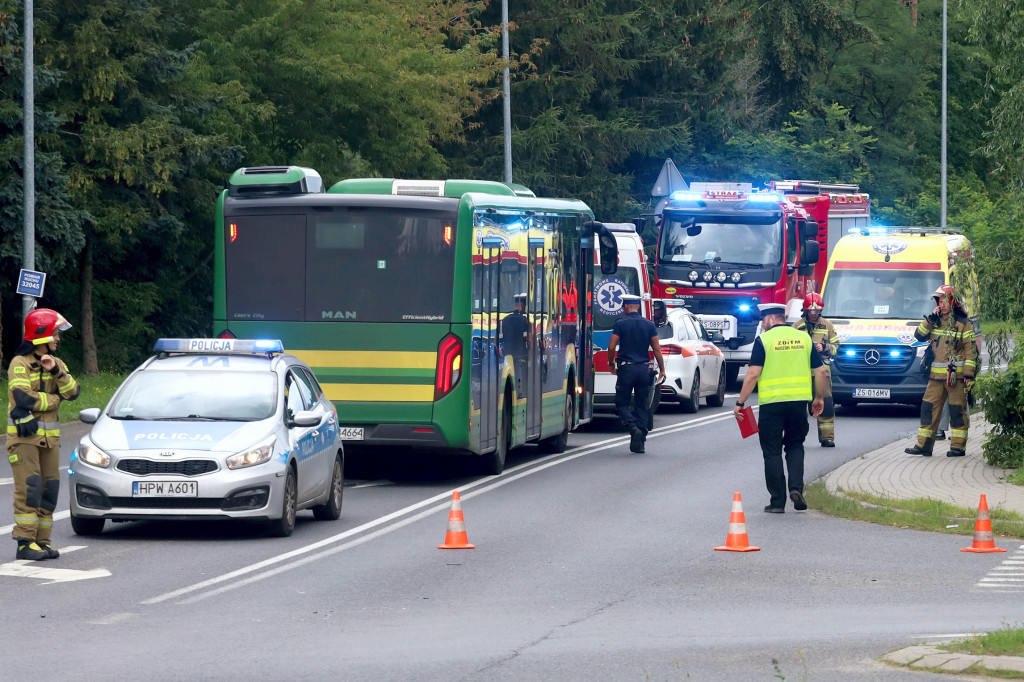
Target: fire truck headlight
(693, 275)
(720, 277)
(708, 276)
(736, 277)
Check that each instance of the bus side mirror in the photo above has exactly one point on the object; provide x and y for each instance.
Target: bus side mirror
(607, 245)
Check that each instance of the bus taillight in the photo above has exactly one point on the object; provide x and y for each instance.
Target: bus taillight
(449, 365)
(233, 231)
(448, 235)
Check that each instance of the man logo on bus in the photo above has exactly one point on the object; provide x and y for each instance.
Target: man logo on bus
(609, 296)
(888, 246)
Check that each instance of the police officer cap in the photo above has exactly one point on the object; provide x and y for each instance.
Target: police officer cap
(519, 297)
(771, 309)
(630, 299)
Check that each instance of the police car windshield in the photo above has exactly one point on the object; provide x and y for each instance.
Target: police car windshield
(880, 294)
(187, 395)
(722, 240)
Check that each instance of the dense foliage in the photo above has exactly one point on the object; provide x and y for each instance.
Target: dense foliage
(144, 107)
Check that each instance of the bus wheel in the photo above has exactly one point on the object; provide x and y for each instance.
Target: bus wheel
(718, 399)
(495, 462)
(556, 444)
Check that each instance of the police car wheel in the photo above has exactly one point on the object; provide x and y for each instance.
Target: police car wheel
(331, 509)
(283, 527)
(83, 525)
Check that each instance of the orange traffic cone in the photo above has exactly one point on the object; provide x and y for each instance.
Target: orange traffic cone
(736, 540)
(983, 541)
(456, 538)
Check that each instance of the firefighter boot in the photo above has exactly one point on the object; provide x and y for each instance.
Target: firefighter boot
(925, 449)
(51, 551)
(956, 452)
(28, 549)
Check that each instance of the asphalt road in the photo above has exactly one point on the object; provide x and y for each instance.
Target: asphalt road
(596, 564)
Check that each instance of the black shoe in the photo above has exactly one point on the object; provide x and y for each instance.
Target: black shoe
(27, 549)
(828, 443)
(799, 503)
(51, 552)
(636, 440)
(774, 510)
(956, 452)
(940, 435)
(918, 450)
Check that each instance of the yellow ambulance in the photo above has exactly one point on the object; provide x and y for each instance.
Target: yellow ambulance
(878, 287)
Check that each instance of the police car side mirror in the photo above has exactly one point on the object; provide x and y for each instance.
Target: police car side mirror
(89, 415)
(305, 418)
(660, 313)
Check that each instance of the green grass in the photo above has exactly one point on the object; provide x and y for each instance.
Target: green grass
(96, 392)
(1006, 641)
(991, 327)
(916, 514)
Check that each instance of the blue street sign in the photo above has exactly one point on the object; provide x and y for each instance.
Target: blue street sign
(31, 283)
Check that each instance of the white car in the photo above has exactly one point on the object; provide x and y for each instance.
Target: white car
(694, 365)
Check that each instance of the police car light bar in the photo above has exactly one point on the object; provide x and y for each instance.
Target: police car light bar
(210, 346)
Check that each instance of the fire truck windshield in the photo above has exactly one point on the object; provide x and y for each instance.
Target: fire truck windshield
(720, 240)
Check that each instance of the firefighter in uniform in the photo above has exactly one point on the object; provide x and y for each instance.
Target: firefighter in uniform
(632, 335)
(952, 373)
(783, 364)
(37, 383)
(826, 342)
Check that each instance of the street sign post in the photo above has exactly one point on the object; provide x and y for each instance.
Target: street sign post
(31, 283)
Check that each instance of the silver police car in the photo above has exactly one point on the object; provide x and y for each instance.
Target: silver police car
(210, 429)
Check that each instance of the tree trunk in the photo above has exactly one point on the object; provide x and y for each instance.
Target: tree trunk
(90, 366)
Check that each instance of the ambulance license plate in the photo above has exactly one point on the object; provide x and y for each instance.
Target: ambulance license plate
(871, 393)
(351, 433)
(165, 489)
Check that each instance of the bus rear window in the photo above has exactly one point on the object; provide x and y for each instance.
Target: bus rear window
(348, 264)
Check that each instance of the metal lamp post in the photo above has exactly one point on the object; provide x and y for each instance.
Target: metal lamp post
(942, 189)
(507, 99)
(29, 170)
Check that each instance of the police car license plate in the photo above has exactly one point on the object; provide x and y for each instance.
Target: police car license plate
(165, 489)
(351, 433)
(870, 393)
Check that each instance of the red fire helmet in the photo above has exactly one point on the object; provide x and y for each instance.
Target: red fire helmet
(42, 323)
(813, 302)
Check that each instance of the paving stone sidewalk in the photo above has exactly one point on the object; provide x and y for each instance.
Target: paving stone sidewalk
(931, 656)
(890, 472)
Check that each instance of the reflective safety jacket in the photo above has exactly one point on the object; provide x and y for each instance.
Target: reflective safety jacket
(39, 391)
(952, 341)
(823, 332)
(786, 374)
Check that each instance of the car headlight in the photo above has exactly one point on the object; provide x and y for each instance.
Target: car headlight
(251, 457)
(94, 456)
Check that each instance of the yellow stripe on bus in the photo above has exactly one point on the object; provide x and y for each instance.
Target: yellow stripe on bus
(368, 358)
(389, 393)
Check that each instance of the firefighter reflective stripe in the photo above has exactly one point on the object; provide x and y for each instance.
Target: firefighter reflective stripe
(925, 432)
(45, 428)
(25, 519)
(44, 402)
(69, 385)
(959, 434)
(44, 521)
(786, 374)
(20, 382)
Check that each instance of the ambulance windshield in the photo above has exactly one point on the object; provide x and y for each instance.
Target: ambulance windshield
(880, 294)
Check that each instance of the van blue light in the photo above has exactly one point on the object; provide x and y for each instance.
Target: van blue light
(683, 195)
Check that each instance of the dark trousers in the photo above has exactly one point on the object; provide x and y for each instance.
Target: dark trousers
(783, 425)
(633, 382)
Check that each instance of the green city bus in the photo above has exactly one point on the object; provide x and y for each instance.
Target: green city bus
(392, 289)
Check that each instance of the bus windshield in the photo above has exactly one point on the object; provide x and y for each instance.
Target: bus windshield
(880, 294)
(720, 240)
(346, 264)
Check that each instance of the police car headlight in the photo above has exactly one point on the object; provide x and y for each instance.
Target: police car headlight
(94, 456)
(251, 458)
(693, 275)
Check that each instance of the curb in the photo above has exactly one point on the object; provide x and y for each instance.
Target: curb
(933, 657)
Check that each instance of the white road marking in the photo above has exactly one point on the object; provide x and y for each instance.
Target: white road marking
(56, 517)
(437, 503)
(1009, 574)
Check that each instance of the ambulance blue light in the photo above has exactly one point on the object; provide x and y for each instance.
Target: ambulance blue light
(213, 346)
(894, 354)
(850, 353)
(764, 198)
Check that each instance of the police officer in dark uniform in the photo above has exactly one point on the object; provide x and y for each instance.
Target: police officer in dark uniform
(782, 364)
(633, 335)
